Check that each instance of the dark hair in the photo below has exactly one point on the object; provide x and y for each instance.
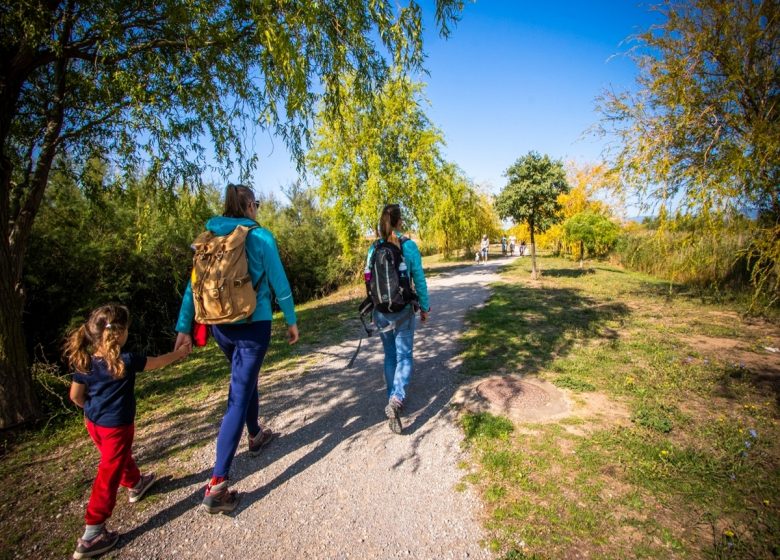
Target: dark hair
(100, 333)
(238, 200)
(388, 220)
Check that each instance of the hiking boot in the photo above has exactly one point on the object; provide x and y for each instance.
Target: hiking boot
(105, 540)
(393, 412)
(219, 499)
(138, 491)
(261, 439)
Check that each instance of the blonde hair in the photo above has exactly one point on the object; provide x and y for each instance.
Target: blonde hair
(238, 200)
(388, 220)
(100, 334)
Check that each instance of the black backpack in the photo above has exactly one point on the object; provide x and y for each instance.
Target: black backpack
(387, 278)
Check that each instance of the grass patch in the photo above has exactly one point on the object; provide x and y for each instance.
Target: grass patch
(693, 475)
(654, 416)
(569, 382)
(486, 425)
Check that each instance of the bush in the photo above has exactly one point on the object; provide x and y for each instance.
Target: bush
(125, 243)
(703, 260)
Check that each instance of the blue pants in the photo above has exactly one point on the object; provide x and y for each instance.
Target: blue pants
(399, 345)
(245, 345)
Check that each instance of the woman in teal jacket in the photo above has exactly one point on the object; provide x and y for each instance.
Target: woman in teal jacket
(398, 342)
(244, 343)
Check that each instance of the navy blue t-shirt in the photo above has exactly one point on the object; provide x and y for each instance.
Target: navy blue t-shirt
(110, 402)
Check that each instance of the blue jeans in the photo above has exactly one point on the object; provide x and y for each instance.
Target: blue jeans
(399, 345)
(245, 345)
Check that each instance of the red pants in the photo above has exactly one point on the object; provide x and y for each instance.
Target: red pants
(117, 467)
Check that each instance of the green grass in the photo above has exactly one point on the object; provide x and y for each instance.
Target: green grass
(692, 469)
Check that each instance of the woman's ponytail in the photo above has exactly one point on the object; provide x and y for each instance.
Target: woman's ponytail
(389, 220)
(238, 200)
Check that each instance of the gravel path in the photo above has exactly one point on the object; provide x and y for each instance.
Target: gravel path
(337, 483)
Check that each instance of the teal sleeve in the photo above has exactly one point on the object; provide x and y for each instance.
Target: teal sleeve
(187, 311)
(277, 278)
(414, 260)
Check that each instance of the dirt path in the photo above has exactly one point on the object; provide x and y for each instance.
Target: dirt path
(337, 484)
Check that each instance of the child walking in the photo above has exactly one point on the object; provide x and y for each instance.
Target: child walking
(103, 385)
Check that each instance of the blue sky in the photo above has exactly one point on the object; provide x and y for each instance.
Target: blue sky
(514, 76)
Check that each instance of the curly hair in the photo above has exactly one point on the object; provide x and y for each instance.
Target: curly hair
(100, 334)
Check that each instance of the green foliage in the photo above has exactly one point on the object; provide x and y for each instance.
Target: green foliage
(531, 194)
(595, 232)
(110, 241)
(703, 129)
(181, 73)
(486, 425)
(685, 251)
(460, 214)
(384, 151)
(307, 242)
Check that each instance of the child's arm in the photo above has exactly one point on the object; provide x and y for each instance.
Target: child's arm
(78, 393)
(156, 362)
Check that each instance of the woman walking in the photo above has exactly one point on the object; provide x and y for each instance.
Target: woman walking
(397, 329)
(244, 343)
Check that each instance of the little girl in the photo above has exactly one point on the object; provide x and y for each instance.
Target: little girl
(103, 385)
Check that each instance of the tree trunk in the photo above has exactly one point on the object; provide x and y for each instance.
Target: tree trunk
(582, 254)
(534, 271)
(18, 403)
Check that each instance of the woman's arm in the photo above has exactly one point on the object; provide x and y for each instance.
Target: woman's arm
(186, 312)
(78, 393)
(156, 362)
(414, 260)
(277, 278)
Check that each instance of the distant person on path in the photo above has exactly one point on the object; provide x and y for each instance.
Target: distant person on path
(512, 245)
(104, 386)
(485, 247)
(522, 248)
(398, 335)
(244, 343)
(503, 246)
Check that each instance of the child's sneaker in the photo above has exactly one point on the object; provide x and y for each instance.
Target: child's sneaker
(146, 482)
(263, 438)
(393, 412)
(104, 541)
(219, 499)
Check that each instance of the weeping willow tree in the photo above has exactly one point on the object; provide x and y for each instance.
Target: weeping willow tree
(461, 214)
(379, 152)
(701, 133)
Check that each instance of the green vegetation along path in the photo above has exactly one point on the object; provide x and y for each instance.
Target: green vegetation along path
(338, 483)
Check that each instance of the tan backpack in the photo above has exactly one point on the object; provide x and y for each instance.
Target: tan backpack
(221, 286)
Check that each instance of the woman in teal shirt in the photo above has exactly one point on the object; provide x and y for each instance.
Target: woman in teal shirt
(244, 343)
(398, 342)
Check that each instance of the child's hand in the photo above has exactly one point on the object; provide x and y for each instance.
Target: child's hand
(183, 351)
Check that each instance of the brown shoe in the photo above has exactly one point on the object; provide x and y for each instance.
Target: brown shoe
(219, 499)
(106, 540)
(146, 482)
(261, 439)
